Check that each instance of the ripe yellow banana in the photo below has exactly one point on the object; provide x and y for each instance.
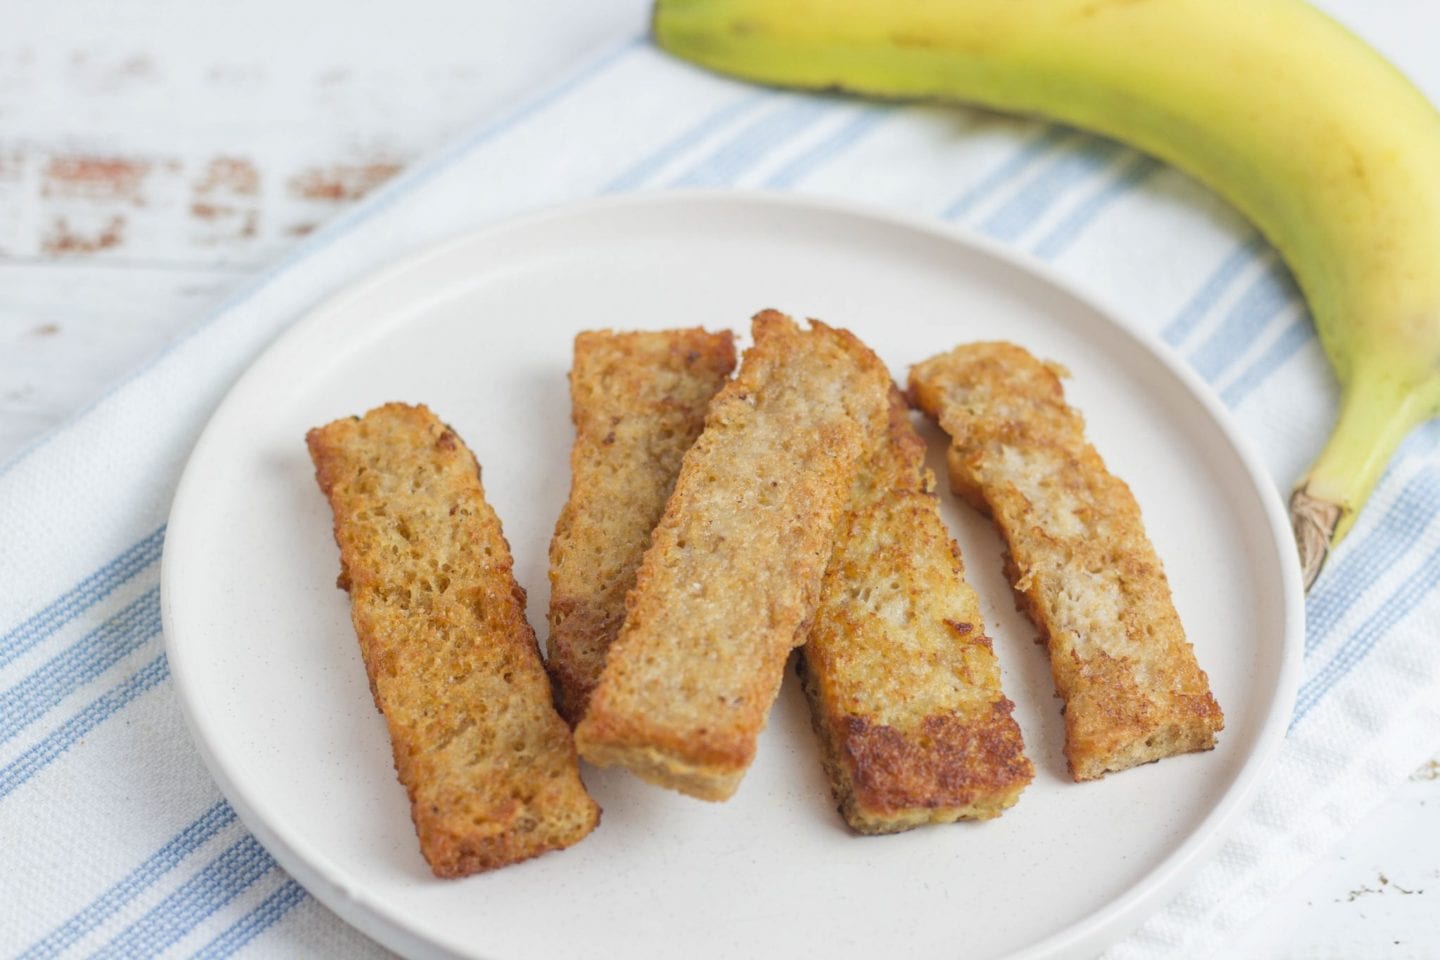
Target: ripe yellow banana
(1317, 139)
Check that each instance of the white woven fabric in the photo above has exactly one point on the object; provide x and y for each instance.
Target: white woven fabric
(115, 841)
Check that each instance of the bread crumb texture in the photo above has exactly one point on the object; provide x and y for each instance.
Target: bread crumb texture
(1079, 559)
(904, 686)
(638, 403)
(732, 576)
(489, 766)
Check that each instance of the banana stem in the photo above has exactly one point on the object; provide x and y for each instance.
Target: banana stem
(1376, 414)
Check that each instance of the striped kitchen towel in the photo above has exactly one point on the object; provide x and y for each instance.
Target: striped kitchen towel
(116, 843)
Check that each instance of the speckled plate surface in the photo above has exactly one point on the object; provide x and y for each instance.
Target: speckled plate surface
(269, 672)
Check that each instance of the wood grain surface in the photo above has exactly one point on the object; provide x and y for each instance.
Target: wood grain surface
(154, 156)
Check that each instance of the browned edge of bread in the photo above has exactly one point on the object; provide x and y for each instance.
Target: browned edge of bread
(732, 575)
(903, 683)
(489, 766)
(1082, 566)
(638, 401)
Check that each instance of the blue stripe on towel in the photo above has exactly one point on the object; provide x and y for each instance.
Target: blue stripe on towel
(1068, 230)
(1372, 557)
(774, 129)
(1264, 300)
(1037, 196)
(1295, 336)
(81, 597)
(80, 663)
(1404, 599)
(254, 923)
(1210, 292)
(42, 754)
(638, 174)
(859, 127)
(1046, 139)
(218, 882)
(162, 861)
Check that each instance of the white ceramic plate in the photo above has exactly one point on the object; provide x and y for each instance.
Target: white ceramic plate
(269, 672)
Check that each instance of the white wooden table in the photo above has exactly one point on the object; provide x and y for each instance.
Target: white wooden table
(155, 156)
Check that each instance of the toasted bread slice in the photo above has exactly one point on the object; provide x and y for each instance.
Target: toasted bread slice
(488, 764)
(903, 684)
(1080, 561)
(733, 572)
(638, 401)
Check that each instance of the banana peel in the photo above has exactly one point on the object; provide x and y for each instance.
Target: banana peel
(1316, 138)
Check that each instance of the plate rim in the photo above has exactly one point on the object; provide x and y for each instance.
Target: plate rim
(1117, 918)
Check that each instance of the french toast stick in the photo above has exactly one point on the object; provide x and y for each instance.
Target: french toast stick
(1082, 566)
(731, 578)
(903, 684)
(638, 402)
(489, 766)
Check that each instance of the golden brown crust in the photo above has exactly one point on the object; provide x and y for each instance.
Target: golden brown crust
(734, 567)
(488, 764)
(903, 684)
(1080, 561)
(943, 769)
(638, 403)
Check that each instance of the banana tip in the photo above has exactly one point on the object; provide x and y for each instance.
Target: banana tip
(1314, 522)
